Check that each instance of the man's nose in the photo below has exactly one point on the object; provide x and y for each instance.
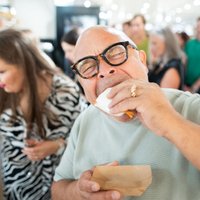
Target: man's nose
(105, 70)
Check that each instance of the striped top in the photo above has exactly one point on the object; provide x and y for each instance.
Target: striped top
(65, 103)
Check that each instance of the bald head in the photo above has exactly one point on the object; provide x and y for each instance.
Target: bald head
(94, 39)
(120, 60)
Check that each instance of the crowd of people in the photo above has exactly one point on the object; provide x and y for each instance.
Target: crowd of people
(165, 67)
(173, 58)
(52, 135)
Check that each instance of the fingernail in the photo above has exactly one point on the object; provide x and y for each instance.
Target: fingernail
(95, 187)
(115, 195)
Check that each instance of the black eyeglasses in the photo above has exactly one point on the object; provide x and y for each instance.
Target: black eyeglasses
(114, 55)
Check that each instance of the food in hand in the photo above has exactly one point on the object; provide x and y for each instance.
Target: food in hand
(129, 180)
(102, 102)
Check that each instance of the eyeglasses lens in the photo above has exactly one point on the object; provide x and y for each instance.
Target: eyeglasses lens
(114, 56)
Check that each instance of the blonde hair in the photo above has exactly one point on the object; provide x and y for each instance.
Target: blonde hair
(173, 49)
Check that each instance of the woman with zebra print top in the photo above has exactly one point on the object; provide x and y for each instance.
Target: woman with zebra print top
(33, 97)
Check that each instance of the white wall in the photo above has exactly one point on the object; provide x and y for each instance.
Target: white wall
(38, 15)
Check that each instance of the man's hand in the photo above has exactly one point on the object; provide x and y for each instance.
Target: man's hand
(91, 190)
(155, 111)
(152, 107)
(83, 189)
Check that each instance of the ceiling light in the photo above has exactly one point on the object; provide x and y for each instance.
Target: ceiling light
(178, 19)
(63, 2)
(196, 2)
(168, 18)
(187, 6)
(129, 16)
(87, 3)
(149, 27)
(102, 15)
(114, 7)
(143, 10)
(146, 5)
(178, 10)
(159, 17)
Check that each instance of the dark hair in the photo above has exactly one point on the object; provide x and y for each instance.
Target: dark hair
(15, 50)
(128, 23)
(71, 36)
(141, 16)
(185, 37)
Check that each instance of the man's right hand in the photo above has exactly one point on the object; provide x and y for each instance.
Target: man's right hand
(83, 188)
(90, 190)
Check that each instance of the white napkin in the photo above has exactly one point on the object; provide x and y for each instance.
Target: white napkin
(102, 102)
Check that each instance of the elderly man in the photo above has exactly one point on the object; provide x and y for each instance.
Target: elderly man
(159, 135)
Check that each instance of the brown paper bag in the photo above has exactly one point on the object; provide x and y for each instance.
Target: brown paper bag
(128, 180)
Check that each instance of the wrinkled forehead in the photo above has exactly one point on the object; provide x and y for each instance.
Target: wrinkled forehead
(94, 40)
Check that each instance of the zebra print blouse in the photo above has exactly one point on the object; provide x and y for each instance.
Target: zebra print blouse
(65, 102)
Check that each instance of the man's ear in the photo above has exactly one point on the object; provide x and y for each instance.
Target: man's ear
(143, 57)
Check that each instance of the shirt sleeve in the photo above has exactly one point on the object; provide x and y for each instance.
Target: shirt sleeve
(186, 103)
(65, 168)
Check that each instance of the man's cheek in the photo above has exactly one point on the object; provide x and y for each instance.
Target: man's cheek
(90, 97)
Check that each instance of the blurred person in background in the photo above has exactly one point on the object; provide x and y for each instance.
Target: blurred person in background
(192, 50)
(127, 29)
(165, 59)
(38, 106)
(139, 34)
(68, 42)
(183, 37)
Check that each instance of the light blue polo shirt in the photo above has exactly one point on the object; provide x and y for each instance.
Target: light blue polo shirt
(97, 139)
